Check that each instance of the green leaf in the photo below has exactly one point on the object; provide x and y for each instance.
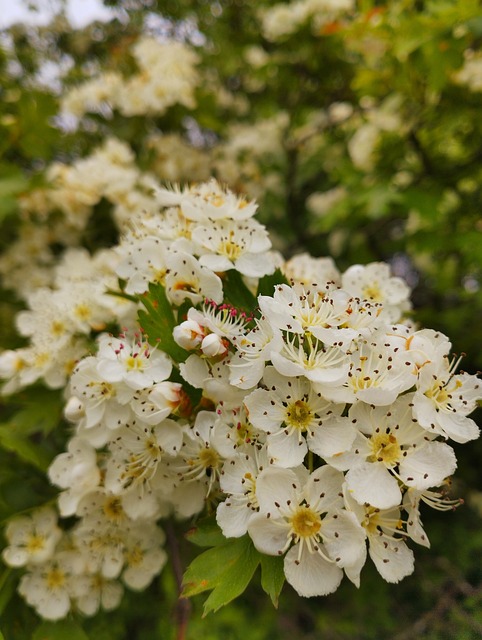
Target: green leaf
(206, 533)
(267, 284)
(237, 293)
(59, 631)
(17, 442)
(8, 582)
(158, 322)
(41, 411)
(226, 570)
(272, 576)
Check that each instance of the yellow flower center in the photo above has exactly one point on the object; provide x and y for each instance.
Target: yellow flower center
(385, 448)
(209, 458)
(298, 415)
(305, 522)
(35, 543)
(230, 248)
(55, 578)
(373, 292)
(113, 509)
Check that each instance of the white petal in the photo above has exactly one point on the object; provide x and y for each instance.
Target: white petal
(428, 466)
(392, 558)
(269, 535)
(344, 538)
(372, 483)
(312, 575)
(323, 489)
(334, 436)
(459, 428)
(233, 518)
(277, 488)
(287, 450)
(263, 414)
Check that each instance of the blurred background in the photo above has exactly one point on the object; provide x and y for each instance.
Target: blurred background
(355, 125)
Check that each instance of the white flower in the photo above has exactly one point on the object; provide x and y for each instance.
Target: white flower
(199, 461)
(444, 399)
(31, 539)
(238, 481)
(144, 556)
(253, 350)
(289, 410)
(305, 518)
(187, 279)
(377, 374)
(136, 453)
(228, 244)
(374, 282)
(102, 402)
(75, 471)
(208, 201)
(93, 591)
(391, 449)
(385, 535)
(131, 361)
(49, 587)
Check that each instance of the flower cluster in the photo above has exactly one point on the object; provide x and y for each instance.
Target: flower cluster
(296, 402)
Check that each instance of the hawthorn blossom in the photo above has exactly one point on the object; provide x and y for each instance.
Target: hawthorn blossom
(444, 399)
(238, 481)
(304, 518)
(296, 419)
(229, 244)
(374, 282)
(391, 449)
(31, 539)
(384, 531)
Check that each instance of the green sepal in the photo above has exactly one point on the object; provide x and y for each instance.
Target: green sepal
(158, 322)
(225, 570)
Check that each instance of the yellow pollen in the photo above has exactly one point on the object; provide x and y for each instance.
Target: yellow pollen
(57, 328)
(35, 543)
(82, 311)
(230, 248)
(135, 557)
(113, 509)
(55, 578)
(385, 448)
(298, 415)
(372, 292)
(439, 394)
(209, 458)
(135, 363)
(305, 523)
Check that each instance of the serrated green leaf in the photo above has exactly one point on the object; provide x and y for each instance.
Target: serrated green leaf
(59, 631)
(206, 533)
(267, 284)
(272, 576)
(226, 570)
(237, 293)
(235, 580)
(158, 322)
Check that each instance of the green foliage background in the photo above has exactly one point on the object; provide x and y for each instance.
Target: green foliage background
(416, 204)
